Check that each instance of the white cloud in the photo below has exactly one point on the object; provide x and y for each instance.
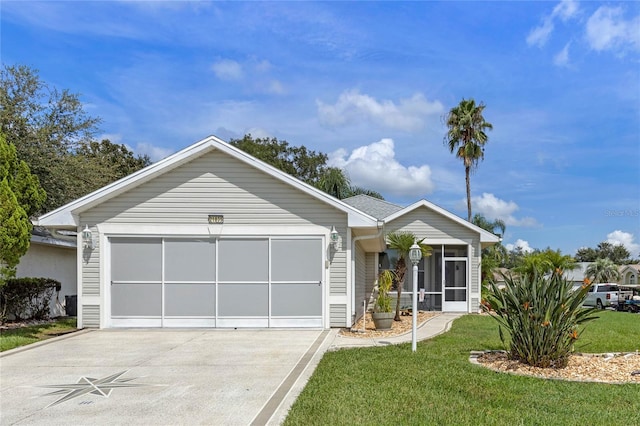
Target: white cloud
(540, 34)
(608, 30)
(227, 69)
(493, 208)
(524, 245)
(353, 107)
(374, 167)
(155, 153)
(562, 58)
(564, 10)
(626, 239)
(275, 87)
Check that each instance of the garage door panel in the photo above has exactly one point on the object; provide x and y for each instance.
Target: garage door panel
(232, 260)
(136, 259)
(190, 299)
(296, 299)
(208, 282)
(296, 260)
(190, 260)
(139, 299)
(243, 300)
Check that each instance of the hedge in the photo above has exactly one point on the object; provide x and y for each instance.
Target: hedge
(26, 298)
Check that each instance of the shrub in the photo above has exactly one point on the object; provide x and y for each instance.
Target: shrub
(541, 316)
(385, 281)
(27, 298)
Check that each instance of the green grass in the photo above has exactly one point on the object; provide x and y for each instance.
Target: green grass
(439, 386)
(14, 338)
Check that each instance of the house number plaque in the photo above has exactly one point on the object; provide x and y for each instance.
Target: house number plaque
(216, 219)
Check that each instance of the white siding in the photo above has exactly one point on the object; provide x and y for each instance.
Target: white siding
(371, 274)
(91, 265)
(360, 285)
(49, 261)
(216, 183)
(90, 316)
(338, 314)
(425, 223)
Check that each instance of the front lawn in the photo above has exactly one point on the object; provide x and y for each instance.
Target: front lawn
(438, 385)
(16, 337)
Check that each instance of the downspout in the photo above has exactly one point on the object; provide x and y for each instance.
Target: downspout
(380, 225)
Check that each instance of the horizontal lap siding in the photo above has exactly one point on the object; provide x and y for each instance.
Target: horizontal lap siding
(425, 223)
(360, 287)
(338, 315)
(216, 183)
(370, 276)
(91, 267)
(91, 316)
(220, 184)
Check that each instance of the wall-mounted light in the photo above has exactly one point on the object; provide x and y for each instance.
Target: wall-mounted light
(335, 237)
(87, 238)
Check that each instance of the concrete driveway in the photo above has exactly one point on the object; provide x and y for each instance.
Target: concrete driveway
(159, 377)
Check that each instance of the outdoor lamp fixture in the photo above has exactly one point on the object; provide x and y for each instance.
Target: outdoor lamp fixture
(87, 238)
(415, 254)
(335, 237)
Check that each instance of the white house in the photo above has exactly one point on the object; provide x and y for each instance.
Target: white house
(213, 237)
(51, 257)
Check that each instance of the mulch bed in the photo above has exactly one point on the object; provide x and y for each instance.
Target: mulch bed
(397, 328)
(606, 368)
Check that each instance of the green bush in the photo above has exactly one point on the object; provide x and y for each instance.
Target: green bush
(541, 316)
(27, 298)
(385, 281)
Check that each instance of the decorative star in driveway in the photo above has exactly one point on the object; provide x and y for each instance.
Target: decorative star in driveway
(88, 385)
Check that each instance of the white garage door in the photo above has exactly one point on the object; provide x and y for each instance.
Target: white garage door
(230, 282)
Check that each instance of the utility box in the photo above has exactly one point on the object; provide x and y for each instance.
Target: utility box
(71, 305)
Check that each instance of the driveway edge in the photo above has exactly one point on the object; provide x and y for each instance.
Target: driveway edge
(275, 403)
(45, 342)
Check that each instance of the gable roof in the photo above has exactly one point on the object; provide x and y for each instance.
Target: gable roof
(485, 236)
(67, 215)
(387, 211)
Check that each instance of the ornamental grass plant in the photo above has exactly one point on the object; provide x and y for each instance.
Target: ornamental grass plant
(541, 316)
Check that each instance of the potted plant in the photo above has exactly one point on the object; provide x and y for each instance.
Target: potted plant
(382, 313)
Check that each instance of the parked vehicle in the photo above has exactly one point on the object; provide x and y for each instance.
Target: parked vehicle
(604, 295)
(628, 302)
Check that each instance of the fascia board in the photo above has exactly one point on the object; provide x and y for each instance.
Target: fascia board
(67, 215)
(485, 236)
(356, 218)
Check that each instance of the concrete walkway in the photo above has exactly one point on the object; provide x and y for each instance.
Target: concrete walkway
(431, 327)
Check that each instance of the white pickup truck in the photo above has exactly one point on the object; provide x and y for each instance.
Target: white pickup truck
(604, 295)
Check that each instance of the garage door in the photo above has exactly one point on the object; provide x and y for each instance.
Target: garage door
(230, 282)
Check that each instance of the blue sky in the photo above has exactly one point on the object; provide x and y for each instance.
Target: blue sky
(368, 83)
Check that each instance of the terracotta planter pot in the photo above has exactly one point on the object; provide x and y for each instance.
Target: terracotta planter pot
(383, 320)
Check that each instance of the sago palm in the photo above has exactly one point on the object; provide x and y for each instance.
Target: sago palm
(402, 242)
(466, 137)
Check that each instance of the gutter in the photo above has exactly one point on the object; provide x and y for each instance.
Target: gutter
(380, 225)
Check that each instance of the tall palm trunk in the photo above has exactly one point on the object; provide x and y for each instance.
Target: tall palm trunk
(467, 170)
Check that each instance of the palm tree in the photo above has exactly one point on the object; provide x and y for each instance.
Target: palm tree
(488, 225)
(335, 182)
(548, 262)
(557, 262)
(603, 271)
(402, 242)
(466, 137)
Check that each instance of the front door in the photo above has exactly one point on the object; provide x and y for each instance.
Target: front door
(455, 285)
